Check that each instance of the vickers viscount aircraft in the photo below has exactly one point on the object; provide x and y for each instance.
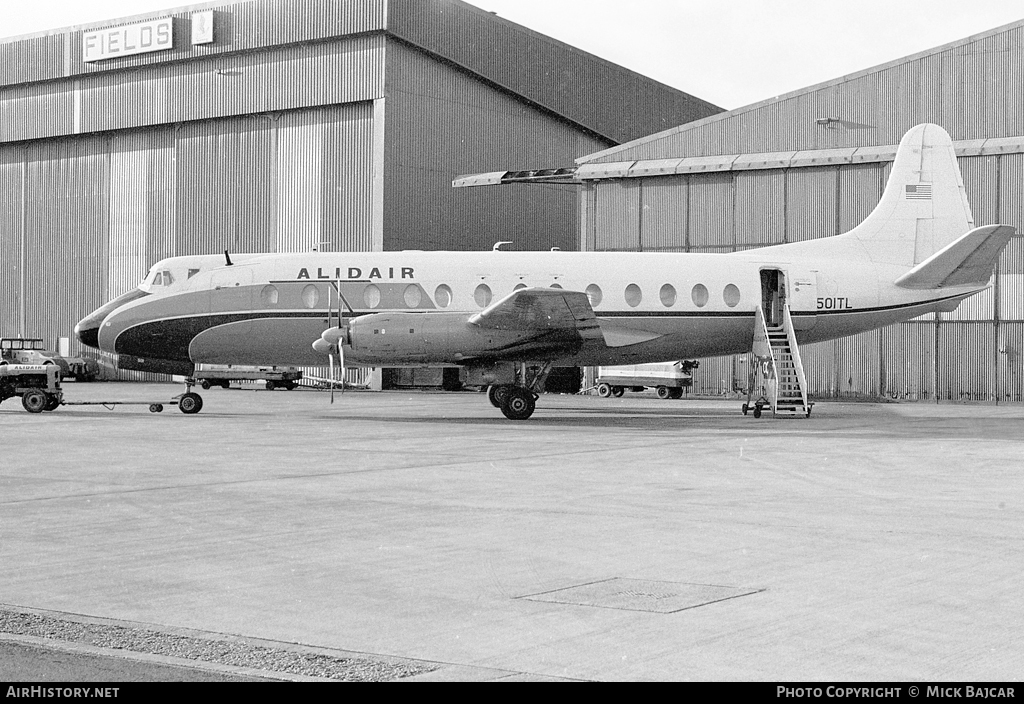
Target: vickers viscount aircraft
(507, 318)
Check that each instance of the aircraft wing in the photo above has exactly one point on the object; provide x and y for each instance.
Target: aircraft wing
(966, 261)
(539, 309)
(556, 314)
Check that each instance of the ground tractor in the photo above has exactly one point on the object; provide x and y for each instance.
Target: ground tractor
(37, 384)
(31, 350)
(668, 379)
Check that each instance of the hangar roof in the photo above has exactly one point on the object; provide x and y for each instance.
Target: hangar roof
(972, 87)
(599, 96)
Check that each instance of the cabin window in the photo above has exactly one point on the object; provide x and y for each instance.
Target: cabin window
(700, 295)
(482, 295)
(594, 294)
(269, 295)
(731, 295)
(310, 296)
(443, 296)
(668, 295)
(634, 295)
(371, 296)
(413, 296)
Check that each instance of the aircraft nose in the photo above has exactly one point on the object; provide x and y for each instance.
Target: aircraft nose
(88, 333)
(88, 329)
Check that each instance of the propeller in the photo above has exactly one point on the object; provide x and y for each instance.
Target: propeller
(333, 340)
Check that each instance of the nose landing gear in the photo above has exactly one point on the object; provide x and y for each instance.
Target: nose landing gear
(189, 402)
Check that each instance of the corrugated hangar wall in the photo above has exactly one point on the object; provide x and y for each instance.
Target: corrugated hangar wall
(442, 123)
(105, 172)
(972, 88)
(85, 217)
(336, 124)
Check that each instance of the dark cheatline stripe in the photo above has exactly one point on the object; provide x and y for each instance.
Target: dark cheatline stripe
(170, 338)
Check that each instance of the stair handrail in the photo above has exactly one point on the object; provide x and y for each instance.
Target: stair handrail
(787, 320)
(763, 350)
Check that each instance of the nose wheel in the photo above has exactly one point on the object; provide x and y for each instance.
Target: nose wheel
(190, 402)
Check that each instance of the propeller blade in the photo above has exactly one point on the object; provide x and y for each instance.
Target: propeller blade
(332, 378)
(332, 340)
(341, 363)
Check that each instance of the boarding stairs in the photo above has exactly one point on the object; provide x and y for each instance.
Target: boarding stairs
(777, 379)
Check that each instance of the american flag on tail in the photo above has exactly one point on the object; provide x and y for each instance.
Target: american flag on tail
(920, 191)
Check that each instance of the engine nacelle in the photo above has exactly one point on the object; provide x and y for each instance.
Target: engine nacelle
(429, 338)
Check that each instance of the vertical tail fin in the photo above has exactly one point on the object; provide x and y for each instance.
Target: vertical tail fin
(924, 207)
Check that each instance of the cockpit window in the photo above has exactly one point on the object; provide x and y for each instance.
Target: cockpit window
(162, 278)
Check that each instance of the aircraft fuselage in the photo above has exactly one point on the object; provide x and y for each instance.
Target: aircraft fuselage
(269, 309)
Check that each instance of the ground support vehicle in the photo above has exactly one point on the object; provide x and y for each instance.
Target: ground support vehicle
(38, 385)
(30, 350)
(668, 379)
(208, 375)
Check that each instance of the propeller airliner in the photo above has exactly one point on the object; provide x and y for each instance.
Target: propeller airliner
(507, 318)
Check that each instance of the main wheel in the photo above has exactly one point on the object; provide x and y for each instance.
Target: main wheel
(205, 383)
(757, 411)
(676, 393)
(497, 394)
(190, 403)
(617, 391)
(604, 390)
(35, 401)
(519, 404)
(156, 408)
(745, 409)
(664, 392)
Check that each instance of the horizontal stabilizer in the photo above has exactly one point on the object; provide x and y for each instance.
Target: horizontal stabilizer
(966, 261)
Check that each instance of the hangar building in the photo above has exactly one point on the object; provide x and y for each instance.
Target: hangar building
(287, 125)
(813, 163)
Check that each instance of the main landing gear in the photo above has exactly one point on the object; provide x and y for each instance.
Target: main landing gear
(518, 401)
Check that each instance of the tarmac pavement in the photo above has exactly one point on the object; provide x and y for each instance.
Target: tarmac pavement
(603, 539)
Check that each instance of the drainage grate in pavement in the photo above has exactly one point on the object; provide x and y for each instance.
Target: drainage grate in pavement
(642, 595)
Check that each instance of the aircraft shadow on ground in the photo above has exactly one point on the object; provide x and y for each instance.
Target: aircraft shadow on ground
(673, 419)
